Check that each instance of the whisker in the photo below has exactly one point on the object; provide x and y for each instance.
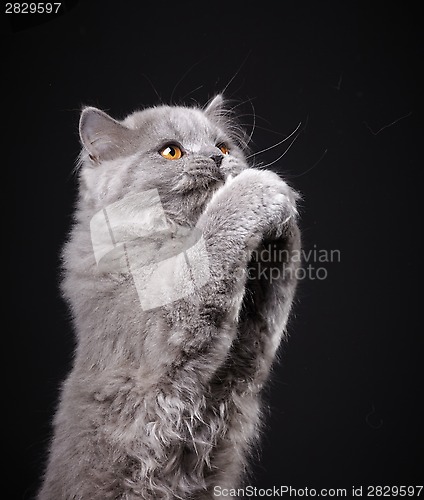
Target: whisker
(152, 86)
(249, 114)
(278, 143)
(191, 92)
(254, 123)
(281, 156)
(184, 75)
(237, 72)
(261, 128)
(240, 103)
(310, 168)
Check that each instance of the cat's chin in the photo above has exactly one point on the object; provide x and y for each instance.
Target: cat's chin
(190, 182)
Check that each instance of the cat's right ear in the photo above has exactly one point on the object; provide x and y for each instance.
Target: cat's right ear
(103, 137)
(215, 106)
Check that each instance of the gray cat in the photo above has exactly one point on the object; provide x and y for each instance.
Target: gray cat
(180, 274)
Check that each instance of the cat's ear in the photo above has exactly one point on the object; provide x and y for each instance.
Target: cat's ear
(103, 137)
(215, 106)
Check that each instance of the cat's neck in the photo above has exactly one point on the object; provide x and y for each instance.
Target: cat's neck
(185, 212)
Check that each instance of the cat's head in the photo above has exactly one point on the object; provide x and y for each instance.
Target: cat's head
(185, 153)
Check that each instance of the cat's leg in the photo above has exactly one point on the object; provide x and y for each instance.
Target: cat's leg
(237, 383)
(269, 295)
(255, 209)
(204, 328)
(185, 428)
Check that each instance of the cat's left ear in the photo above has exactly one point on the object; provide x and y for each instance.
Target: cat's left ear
(103, 137)
(215, 106)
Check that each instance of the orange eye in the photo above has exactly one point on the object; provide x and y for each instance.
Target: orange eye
(223, 148)
(171, 152)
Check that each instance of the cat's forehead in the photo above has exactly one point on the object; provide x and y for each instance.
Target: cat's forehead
(189, 126)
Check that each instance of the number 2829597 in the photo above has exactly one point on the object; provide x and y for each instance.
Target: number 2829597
(32, 8)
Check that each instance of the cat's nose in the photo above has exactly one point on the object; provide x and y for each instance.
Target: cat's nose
(217, 158)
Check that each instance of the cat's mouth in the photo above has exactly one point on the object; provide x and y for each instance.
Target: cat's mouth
(199, 176)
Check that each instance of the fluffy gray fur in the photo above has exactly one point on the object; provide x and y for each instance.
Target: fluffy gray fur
(165, 403)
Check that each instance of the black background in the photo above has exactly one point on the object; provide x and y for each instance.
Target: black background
(345, 400)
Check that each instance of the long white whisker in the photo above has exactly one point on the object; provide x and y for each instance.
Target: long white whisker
(241, 103)
(259, 127)
(310, 168)
(237, 72)
(279, 158)
(184, 75)
(278, 143)
(253, 125)
(153, 87)
(191, 92)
